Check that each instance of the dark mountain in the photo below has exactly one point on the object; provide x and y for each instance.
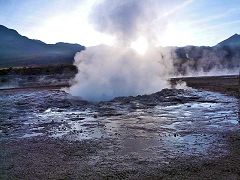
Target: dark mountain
(233, 41)
(17, 50)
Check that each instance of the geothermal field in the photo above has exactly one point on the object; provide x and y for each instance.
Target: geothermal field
(119, 89)
(47, 133)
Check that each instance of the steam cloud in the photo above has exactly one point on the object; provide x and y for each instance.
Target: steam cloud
(217, 60)
(127, 20)
(105, 72)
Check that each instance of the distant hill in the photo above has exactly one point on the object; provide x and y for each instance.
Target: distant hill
(18, 50)
(233, 41)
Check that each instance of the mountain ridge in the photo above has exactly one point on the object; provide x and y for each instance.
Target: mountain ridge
(233, 41)
(18, 50)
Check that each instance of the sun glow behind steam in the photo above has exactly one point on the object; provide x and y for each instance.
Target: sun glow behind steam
(140, 45)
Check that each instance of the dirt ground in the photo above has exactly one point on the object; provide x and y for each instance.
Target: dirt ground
(172, 134)
(229, 84)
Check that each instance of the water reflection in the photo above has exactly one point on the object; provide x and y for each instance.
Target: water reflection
(238, 109)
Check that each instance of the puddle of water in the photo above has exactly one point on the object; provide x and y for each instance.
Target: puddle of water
(197, 144)
(175, 125)
(31, 135)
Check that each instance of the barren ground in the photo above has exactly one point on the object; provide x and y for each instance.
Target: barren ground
(172, 134)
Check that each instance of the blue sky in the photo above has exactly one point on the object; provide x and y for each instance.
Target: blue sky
(200, 22)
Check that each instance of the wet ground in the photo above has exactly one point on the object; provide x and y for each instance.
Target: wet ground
(23, 81)
(172, 134)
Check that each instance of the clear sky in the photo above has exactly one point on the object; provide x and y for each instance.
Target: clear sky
(199, 22)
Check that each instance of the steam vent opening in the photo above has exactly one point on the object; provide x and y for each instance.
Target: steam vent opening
(104, 89)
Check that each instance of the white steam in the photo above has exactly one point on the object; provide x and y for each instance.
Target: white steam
(106, 72)
(133, 65)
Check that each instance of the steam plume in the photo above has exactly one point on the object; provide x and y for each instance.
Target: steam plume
(203, 60)
(107, 72)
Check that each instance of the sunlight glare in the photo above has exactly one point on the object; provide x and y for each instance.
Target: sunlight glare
(140, 45)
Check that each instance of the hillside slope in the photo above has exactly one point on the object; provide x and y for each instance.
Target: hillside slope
(233, 41)
(18, 50)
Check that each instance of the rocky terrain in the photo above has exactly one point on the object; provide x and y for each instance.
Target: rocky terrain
(171, 134)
